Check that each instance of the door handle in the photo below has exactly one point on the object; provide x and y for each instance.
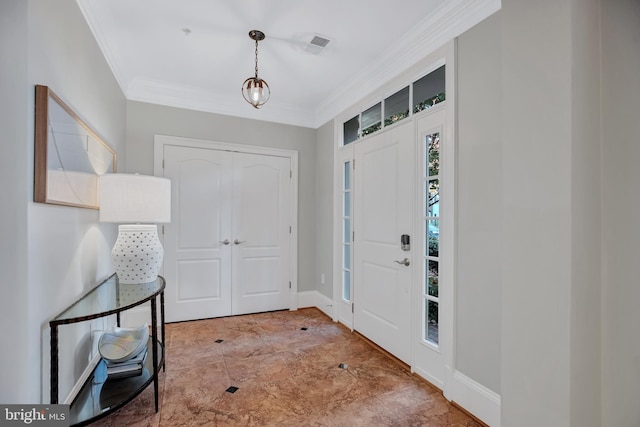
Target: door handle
(225, 241)
(404, 262)
(237, 242)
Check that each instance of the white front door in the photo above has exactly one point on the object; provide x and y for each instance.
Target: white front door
(383, 210)
(227, 249)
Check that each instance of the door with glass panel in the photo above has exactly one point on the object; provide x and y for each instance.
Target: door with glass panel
(384, 178)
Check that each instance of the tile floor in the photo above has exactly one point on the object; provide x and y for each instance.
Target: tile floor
(285, 376)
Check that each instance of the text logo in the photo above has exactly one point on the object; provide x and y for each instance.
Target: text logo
(37, 415)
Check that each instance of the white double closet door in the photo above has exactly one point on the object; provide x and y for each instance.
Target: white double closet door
(227, 248)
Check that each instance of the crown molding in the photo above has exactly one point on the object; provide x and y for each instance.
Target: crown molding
(195, 98)
(447, 22)
(89, 14)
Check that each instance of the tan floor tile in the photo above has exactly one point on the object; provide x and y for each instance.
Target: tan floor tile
(285, 377)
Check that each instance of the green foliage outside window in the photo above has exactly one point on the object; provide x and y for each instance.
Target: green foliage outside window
(396, 117)
(371, 129)
(429, 102)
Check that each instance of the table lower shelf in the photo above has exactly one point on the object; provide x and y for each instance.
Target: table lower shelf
(99, 398)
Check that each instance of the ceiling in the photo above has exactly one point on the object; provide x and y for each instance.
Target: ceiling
(196, 53)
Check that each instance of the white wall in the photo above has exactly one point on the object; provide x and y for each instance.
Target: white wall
(60, 251)
(479, 197)
(146, 120)
(620, 212)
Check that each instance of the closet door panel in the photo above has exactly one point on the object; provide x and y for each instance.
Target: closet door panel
(197, 262)
(261, 228)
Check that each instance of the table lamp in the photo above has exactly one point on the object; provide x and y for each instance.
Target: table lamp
(137, 203)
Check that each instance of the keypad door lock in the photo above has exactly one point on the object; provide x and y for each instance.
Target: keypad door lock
(405, 242)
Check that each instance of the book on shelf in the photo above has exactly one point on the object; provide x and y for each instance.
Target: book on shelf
(129, 367)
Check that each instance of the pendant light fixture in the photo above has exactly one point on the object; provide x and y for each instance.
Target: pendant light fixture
(255, 90)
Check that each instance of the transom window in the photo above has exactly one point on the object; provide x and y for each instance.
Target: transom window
(421, 94)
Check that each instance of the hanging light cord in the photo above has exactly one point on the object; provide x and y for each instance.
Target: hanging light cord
(256, 59)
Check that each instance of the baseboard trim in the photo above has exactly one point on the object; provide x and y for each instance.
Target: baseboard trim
(317, 300)
(477, 399)
(428, 378)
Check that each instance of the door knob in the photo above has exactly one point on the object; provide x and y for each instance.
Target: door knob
(237, 242)
(404, 262)
(225, 241)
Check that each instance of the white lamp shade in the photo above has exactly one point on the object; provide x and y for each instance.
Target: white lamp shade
(132, 198)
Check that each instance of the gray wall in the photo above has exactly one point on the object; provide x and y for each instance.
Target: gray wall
(14, 140)
(551, 214)
(54, 253)
(68, 249)
(479, 200)
(536, 193)
(620, 20)
(146, 120)
(324, 209)
(585, 344)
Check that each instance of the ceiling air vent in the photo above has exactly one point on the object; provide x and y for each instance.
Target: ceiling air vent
(319, 41)
(317, 44)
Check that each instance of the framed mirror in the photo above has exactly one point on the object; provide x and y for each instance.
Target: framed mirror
(69, 156)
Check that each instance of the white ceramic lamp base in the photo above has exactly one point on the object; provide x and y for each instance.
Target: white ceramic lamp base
(137, 254)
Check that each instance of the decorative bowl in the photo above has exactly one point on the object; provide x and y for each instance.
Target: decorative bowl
(121, 344)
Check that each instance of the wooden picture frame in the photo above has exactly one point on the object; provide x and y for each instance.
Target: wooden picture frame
(69, 156)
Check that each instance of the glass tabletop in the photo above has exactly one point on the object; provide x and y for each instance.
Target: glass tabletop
(109, 297)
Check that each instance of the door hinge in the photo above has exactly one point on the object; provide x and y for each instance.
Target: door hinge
(290, 174)
(163, 230)
(162, 163)
(352, 308)
(353, 162)
(353, 236)
(289, 285)
(289, 229)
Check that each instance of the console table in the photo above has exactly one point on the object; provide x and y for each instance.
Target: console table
(101, 396)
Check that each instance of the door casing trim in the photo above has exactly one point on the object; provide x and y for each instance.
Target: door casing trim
(160, 141)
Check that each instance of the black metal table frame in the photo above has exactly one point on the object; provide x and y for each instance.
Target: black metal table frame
(154, 326)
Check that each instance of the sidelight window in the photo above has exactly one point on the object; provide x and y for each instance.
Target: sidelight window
(431, 252)
(346, 234)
